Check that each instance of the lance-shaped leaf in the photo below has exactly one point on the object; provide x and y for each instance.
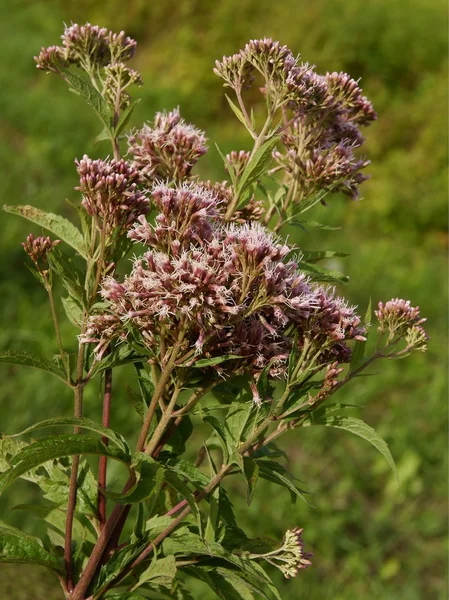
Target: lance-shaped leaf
(68, 273)
(18, 547)
(149, 476)
(83, 423)
(314, 256)
(276, 473)
(161, 571)
(62, 228)
(57, 446)
(360, 428)
(256, 167)
(122, 354)
(322, 274)
(25, 359)
(207, 362)
(251, 470)
(82, 87)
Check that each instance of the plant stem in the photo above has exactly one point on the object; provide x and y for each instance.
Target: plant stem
(71, 504)
(158, 393)
(103, 459)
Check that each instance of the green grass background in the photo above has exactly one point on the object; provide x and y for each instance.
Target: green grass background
(370, 537)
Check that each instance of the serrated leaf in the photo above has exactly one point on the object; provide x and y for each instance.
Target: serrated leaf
(257, 166)
(313, 256)
(207, 362)
(161, 571)
(276, 473)
(122, 354)
(61, 227)
(25, 359)
(56, 446)
(251, 471)
(221, 434)
(150, 476)
(73, 310)
(70, 276)
(213, 517)
(188, 470)
(18, 547)
(83, 87)
(360, 428)
(55, 518)
(83, 423)
(321, 274)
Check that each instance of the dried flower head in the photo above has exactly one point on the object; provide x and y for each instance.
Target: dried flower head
(110, 193)
(167, 149)
(38, 250)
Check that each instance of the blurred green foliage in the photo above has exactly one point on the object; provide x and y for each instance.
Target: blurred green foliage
(371, 538)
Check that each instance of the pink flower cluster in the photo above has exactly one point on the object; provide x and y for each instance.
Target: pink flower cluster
(168, 148)
(226, 288)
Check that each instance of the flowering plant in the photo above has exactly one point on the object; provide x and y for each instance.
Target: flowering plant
(224, 323)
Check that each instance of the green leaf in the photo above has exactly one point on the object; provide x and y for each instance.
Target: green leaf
(221, 434)
(276, 473)
(257, 166)
(55, 518)
(73, 310)
(161, 571)
(358, 350)
(126, 596)
(360, 428)
(84, 423)
(188, 470)
(18, 547)
(206, 362)
(125, 117)
(71, 277)
(150, 476)
(61, 227)
(322, 274)
(56, 446)
(313, 224)
(226, 584)
(25, 359)
(227, 165)
(236, 110)
(122, 354)
(251, 470)
(213, 518)
(82, 87)
(117, 562)
(313, 256)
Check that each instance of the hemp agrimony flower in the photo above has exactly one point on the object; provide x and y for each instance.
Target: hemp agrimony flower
(227, 326)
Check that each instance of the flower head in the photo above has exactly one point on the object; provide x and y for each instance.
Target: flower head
(186, 214)
(110, 193)
(38, 250)
(290, 558)
(168, 148)
(398, 319)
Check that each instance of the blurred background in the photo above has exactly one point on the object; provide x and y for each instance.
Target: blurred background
(370, 537)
